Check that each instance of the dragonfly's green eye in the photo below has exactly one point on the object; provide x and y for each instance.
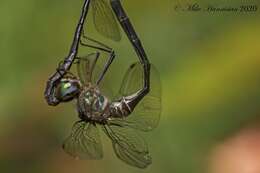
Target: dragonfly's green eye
(67, 89)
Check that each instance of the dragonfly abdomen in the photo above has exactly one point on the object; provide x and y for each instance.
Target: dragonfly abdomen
(120, 109)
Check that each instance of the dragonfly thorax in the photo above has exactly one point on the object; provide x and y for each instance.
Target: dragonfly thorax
(92, 104)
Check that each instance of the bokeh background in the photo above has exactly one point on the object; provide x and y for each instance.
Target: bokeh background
(209, 65)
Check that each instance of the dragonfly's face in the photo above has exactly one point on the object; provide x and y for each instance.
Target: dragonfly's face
(67, 89)
(92, 102)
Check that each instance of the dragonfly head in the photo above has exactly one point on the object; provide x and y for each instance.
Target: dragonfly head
(67, 89)
(92, 102)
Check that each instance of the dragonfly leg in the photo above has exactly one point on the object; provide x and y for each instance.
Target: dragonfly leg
(108, 63)
(104, 48)
(125, 23)
(96, 42)
(95, 47)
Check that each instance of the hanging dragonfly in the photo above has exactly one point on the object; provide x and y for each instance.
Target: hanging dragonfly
(104, 21)
(137, 108)
(115, 116)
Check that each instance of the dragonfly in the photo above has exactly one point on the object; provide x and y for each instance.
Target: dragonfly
(104, 17)
(116, 117)
(96, 109)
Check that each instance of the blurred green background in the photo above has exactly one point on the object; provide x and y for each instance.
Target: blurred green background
(209, 65)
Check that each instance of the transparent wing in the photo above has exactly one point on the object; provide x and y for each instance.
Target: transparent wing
(146, 115)
(128, 145)
(89, 71)
(84, 142)
(85, 67)
(104, 20)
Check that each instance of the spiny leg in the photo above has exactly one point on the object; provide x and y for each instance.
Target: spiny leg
(95, 47)
(95, 41)
(101, 47)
